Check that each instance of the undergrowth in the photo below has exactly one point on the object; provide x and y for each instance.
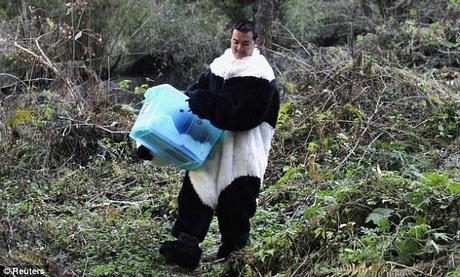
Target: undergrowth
(363, 178)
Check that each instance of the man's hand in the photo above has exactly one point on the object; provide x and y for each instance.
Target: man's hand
(144, 153)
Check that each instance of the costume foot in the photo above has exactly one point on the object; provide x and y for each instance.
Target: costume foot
(225, 249)
(184, 251)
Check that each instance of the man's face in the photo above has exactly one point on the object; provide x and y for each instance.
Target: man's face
(242, 44)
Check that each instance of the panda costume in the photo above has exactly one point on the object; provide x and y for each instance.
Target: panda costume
(239, 96)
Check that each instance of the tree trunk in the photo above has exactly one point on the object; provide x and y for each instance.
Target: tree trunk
(24, 11)
(264, 18)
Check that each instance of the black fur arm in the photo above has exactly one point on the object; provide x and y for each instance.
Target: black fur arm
(241, 104)
(203, 83)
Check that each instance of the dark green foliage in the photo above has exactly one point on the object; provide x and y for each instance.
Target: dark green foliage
(113, 37)
(363, 178)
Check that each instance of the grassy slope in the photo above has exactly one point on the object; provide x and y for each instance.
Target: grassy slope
(363, 179)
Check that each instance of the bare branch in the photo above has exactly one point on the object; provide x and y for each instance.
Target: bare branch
(43, 59)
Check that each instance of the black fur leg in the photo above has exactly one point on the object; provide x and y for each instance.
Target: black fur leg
(237, 204)
(184, 251)
(194, 217)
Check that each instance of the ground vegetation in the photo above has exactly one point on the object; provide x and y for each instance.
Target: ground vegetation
(364, 172)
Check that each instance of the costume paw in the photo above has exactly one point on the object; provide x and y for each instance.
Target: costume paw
(143, 153)
(225, 249)
(184, 251)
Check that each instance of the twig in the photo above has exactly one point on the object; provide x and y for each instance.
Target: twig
(408, 267)
(86, 265)
(258, 271)
(352, 151)
(449, 52)
(307, 258)
(27, 80)
(293, 36)
(367, 148)
(121, 202)
(303, 64)
(14, 77)
(54, 68)
(141, 26)
(81, 123)
(42, 58)
(128, 184)
(215, 261)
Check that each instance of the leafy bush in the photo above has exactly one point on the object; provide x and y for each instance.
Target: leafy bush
(308, 19)
(332, 22)
(111, 34)
(179, 34)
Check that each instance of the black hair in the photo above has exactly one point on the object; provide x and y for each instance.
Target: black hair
(245, 27)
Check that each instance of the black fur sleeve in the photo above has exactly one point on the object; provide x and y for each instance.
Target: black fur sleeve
(203, 83)
(241, 104)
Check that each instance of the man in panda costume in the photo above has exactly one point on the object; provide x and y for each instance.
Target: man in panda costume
(238, 94)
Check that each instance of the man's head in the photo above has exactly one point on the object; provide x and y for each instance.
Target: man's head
(243, 39)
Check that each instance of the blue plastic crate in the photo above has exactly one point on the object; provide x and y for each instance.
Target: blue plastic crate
(167, 128)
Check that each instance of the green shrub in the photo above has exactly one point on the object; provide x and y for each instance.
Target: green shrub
(180, 37)
(306, 19)
(184, 34)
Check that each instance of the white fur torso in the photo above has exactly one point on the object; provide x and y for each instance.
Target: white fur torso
(237, 154)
